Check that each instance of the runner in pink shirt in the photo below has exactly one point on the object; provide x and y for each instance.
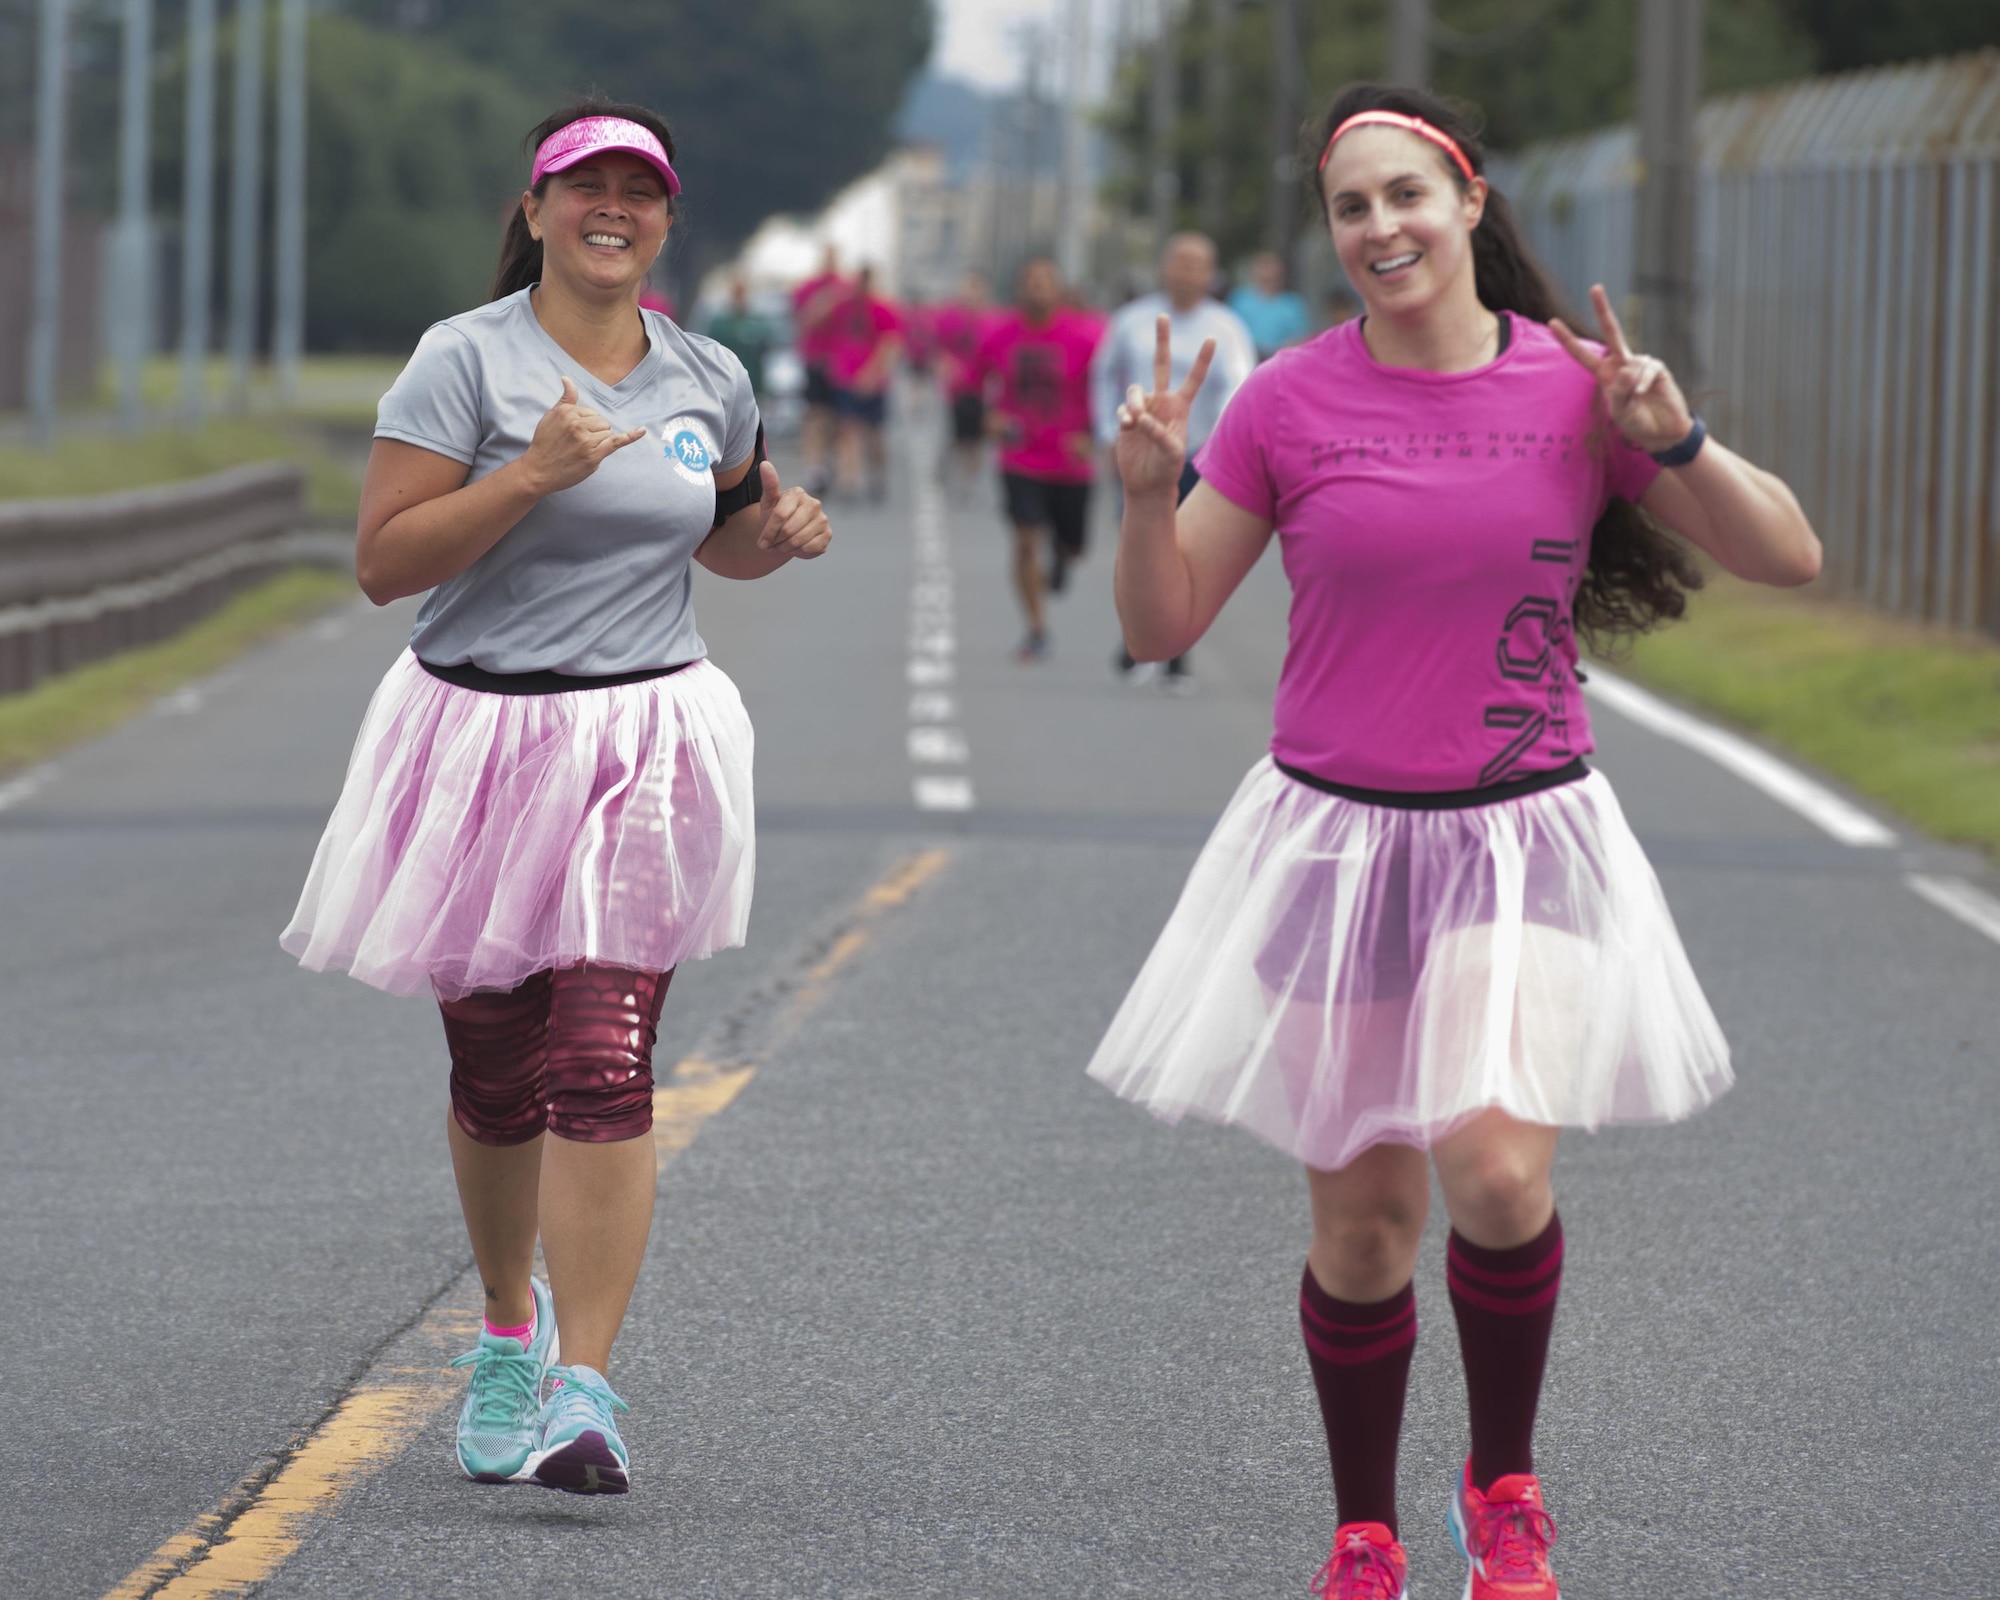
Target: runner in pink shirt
(1036, 361)
(1423, 935)
(960, 326)
(811, 301)
(864, 336)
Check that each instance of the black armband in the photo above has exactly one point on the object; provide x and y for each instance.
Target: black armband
(747, 493)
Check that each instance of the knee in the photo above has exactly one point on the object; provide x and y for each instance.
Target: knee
(1499, 1196)
(498, 1112)
(1369, 1242)
(610, 1103)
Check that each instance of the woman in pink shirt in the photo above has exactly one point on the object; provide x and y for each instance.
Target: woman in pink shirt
(1422, 935)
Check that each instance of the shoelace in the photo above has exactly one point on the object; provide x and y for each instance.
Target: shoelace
(1361, 1571)
(1514, 1539)
(597, 1402)
(504, 1385)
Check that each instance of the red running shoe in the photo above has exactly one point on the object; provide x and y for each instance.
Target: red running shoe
(1504, 1535)
(1366, 1564)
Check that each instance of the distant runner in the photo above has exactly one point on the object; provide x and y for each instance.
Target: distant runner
(743, 333)
(548, 808)
(960, 327)
(811, 302)
(864, 336)
(1274, 315)
(1422, 936)
(1187, 275)
(1037, 361)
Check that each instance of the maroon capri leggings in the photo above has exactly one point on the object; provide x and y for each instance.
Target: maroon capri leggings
(570, 1052)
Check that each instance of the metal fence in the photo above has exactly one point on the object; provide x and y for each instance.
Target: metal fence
(84, 578)
(1848, 308)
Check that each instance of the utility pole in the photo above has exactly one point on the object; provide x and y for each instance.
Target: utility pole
(1281, 225)
(1410, 43)
(1163, 110)
(245, 191)
(51, 124)
(1073, 196)
(1669, 97)
(1215, 95)
(288, 308)
(197, 209)
(132, 254)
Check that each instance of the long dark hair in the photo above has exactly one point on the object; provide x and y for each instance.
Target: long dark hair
(520, 251)
(1639, 574)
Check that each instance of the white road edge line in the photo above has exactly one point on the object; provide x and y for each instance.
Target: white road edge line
(1955, 897)
(1760, 769)
(15, 790)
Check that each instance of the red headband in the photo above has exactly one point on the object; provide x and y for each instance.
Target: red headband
(1396, 119)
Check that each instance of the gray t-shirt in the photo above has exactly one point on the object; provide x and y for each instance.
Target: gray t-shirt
(594, 580)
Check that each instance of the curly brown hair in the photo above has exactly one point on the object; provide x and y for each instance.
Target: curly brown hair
(1639, 574)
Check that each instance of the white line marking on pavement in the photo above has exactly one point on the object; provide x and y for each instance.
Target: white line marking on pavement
(1760, 769)
(933, 645)
(15, 790)
(942, 793)
(939, 747)
(181, 703)
(1955, 897)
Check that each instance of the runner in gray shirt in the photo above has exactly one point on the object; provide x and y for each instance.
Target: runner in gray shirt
(1125, 357)
(548, 808)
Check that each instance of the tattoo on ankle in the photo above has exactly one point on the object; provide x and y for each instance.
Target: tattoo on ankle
(492, 1293)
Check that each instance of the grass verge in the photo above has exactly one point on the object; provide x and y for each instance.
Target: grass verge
(103, 463)
(79, 705)
(1906, 714)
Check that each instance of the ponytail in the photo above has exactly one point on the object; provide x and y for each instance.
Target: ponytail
(1639, 575)
(520, 251)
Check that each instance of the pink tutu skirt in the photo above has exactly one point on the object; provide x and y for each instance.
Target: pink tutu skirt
(482, 838)
(1338, 975)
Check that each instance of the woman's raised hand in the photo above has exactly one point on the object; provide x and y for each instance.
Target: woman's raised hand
(1644, 402)
(570, 443)
(1152, 428)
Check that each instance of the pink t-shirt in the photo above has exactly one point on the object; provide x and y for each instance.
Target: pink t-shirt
(1044, 393)
(1435, 527)
(959, 331)
(855, 329)
(810, 301)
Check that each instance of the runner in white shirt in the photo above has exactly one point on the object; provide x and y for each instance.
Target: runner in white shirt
(1125, 357)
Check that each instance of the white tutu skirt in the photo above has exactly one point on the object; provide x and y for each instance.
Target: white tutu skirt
(1338, 975)
(482, 838)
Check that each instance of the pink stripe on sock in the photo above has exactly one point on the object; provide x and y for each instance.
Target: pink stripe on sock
(525, 1333)
(1504, 1305)
(1458, 1260)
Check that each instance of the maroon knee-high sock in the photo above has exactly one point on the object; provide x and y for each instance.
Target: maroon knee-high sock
(1360, 1356)
(1505, 1303)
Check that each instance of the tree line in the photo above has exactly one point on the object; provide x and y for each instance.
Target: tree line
(1536, 69)
(417, 110)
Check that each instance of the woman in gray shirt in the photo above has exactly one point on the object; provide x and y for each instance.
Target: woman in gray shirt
(549, 805)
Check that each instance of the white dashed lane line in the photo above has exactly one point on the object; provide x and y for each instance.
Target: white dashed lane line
(938, 750)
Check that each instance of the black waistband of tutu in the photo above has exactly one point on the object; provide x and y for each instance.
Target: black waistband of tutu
(467, 676)
(1439, 799)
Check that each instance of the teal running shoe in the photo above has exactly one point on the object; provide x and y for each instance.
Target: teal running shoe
(497, 1423)
(580, 1451)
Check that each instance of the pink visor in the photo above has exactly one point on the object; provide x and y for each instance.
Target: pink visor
(578, 141)
(1396, 119)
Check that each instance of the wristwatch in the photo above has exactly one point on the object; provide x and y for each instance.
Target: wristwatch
(1681, 454)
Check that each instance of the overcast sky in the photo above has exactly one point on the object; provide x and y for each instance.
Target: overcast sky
(976, 37)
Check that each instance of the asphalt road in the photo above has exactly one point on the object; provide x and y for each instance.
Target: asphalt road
(926, 1312)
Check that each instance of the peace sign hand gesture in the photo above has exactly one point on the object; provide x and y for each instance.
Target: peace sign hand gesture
(1644, 402)
(1152, 428)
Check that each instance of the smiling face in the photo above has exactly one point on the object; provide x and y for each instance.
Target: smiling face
(1401, 222)
(601, 223)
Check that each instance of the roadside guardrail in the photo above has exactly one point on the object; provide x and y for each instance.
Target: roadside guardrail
(84, 578)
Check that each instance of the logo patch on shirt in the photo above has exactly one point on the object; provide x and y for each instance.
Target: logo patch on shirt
(689, 450)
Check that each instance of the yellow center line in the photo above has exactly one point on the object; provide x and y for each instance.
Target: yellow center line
(257, 1527)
